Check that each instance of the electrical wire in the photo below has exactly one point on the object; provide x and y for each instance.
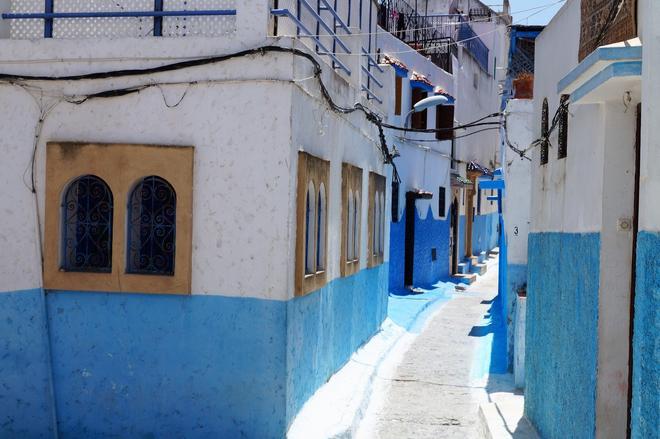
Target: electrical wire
(611, 18)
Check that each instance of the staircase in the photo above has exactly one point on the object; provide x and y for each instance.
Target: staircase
(468, 270)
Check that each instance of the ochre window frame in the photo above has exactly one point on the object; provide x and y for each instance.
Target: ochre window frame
(377, 184)
(316, 170)
(351, 181)
(121, 166)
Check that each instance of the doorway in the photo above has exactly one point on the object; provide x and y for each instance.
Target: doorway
(453, 236)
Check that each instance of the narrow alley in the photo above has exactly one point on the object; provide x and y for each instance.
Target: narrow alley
(280, 219)
(432, 386)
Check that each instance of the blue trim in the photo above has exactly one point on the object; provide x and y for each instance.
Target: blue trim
(309, 34)
(158, 21)
(491, 184)
(115, 14)
(600, 54)
(373, 78)
(421, 84)
(400, 71)
(326, 7)
(48, 23)
(615, 70)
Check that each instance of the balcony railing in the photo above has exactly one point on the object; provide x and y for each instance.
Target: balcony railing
(138, 18)
(474, 45)
(431, 35)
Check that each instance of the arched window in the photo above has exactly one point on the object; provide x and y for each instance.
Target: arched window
(544, 132)
(87, 226)
(382, 223)
(310, 217)
(320, 229)
(356, 226)
(151, 227)
(350, 236)
(376, 225)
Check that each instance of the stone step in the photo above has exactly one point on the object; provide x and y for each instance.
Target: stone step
(474, 260)
(464, 278)
(495, 251)
(479, 269)
(482, 257)
(463, 268)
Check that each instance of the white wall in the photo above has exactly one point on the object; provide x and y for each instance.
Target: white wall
(556, 204)
(517, 174)
(423, 165)
(239, 118)
(649, 211)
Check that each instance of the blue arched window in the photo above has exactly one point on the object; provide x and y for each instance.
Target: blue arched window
(151, 227)
(87, 226)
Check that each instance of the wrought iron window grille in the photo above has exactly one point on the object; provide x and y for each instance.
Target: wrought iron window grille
(151, 228)
(87, 209)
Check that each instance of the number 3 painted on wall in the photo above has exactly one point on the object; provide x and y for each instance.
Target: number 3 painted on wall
(515, 230)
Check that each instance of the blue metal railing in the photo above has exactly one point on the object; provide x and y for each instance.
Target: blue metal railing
(158, 13)
(307, 33)
(303, 31)
(474, 45)
(371, 62)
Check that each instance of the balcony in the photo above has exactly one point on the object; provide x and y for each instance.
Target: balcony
(433, 36)
(473, 44)
(67, 19)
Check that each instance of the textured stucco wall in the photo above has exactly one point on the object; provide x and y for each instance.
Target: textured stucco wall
(201, 365)
(431, 233)
(132, 365)
(484, 233)
(646, 339)
(561, 334)
(26, 408)
(325, 327)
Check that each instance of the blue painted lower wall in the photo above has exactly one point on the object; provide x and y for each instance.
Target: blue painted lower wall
(324, 328)
(646, 339)
(484, 233)
(134, 365)
(562, 333)
(431, 233)
(26, 408)
(131, 365)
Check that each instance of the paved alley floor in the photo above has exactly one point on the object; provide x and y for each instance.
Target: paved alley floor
(432, 387)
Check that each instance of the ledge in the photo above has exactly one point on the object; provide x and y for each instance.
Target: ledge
(615, 61)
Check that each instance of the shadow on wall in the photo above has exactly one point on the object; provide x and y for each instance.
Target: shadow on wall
(492, 356)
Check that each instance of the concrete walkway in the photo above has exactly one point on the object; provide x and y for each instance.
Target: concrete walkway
(432, 387)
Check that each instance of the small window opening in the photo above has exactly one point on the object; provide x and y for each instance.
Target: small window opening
(544, 132)
(398, 92)
(562, 150)
(310, 216)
